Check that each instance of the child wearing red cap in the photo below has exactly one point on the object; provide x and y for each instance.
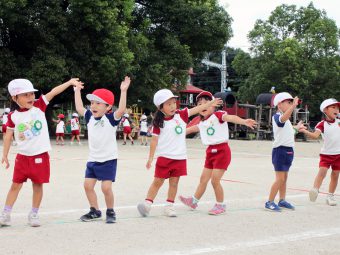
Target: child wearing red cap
(329, 129)
(168, 141)
(214, 133)
(29, 126)
(60, 129)
(103, 151)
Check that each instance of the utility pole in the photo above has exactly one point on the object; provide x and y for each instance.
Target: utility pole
(222, 67)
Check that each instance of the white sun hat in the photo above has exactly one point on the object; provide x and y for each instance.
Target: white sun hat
(328, 102)
(161, 96)
(75, 114)
(7, 110)
(282, 97)
(20, 86)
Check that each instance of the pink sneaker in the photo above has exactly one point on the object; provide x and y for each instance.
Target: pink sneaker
(217, 209)
(188, 202)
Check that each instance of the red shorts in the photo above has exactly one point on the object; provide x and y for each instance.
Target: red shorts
(4, 128)
(217, 156)
(127, 130)
(36, 168)
(59, 134)
(167, 167)
(75, 132)
(330, 161)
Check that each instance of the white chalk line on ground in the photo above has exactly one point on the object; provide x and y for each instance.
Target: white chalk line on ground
(295, 237)
(134, 207)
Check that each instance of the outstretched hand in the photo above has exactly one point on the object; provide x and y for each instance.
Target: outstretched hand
(301, 127)
(125, 84)
(76, 83)
(5, 162)
(216, 102)
(250, 123)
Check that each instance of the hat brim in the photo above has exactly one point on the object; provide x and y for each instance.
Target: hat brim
(165, 100)
(338, 104)
(92, 97)
(24, 91)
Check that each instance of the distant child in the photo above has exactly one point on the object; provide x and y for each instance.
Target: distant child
(168, 141)
(143, 132)
(329, 129)
(75, 128)
(102, 161)
(283, 149)
(29, 125)
(214, 133)
(4, 120)
(127, 128)
(60, 129)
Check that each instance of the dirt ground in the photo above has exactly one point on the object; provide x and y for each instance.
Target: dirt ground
(246, 228)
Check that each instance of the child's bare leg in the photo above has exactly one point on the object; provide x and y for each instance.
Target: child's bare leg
(280, 177)
(37, 194)
(78, 138)
(62, 139)
(91, 195)
(202, 186)
(13, 194)
(130, 137)
(283, 188)
(108, 194)
(173, 186)
(334, 181)
(125, 137)
(155, 186)
(72, 138)
(216, 183)
(320, 176)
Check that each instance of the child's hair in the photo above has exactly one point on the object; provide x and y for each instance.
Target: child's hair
(158, 121)
(207, 98)
(14, 105)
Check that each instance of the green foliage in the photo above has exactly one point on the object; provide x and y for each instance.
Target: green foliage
(295, 50)
(101, 41)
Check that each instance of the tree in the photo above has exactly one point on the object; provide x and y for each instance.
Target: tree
(295, 50)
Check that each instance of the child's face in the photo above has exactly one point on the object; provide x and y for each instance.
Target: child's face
(25, 100)
(99, 109)
(332, 111)
(284, 105)
(207, 112)
(169, 107)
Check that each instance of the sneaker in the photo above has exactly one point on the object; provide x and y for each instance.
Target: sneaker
(313, 194)
(146, 144)
(188, 201)
(92, 215)
(284, 204)
(330, 200)
(124, 143)
(218, 209)
(144, 209)
(110, 216)
(132, 143)
(169, 210)
(271, 206)
(5, 219)
(80, 143)
(142, 144)
(71, 143)
(33, 219)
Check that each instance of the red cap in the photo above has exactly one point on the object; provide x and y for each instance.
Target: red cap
(205, 94)
(104, 96)
(61, 116)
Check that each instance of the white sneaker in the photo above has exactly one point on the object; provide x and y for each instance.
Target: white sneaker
(144, 208)
(71, 143)
(33, 219)
(330, 200)
(313, 194)
(169, 210)
(80, 143)
(5, 219)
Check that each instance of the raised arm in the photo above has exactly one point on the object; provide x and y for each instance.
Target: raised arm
(237, 120)
(215, 102)
(58, 89)
(290, 110)
(79, 102)
(123, 94)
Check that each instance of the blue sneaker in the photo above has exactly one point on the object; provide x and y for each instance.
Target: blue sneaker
(284, 204)
(271, 206)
